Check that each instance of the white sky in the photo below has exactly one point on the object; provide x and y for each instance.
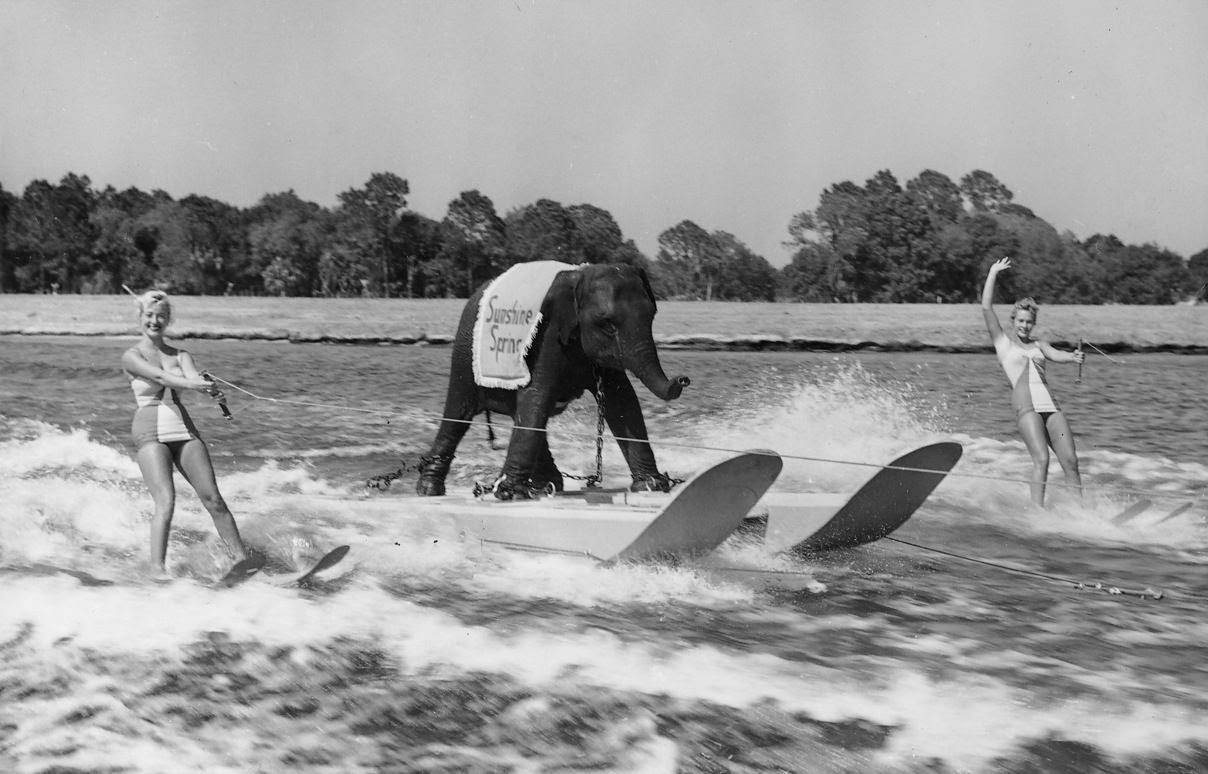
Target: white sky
(735, 115)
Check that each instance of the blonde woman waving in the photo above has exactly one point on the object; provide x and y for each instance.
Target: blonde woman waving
(1023, 358)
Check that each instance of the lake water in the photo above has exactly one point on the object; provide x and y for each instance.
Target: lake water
(424, 653)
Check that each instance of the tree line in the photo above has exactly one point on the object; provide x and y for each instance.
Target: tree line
(881, 242)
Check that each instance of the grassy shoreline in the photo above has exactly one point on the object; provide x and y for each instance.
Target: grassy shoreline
(679, 324)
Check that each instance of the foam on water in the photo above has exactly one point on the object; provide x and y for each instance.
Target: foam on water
(966, 719)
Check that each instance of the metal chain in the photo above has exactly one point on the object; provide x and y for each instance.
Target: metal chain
(594, 479)
(382, 482)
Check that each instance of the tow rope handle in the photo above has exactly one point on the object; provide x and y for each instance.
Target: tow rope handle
(222, 404)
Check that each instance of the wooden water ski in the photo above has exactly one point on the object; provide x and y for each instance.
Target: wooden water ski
(1176, 512)
(725, 493)
(1132, 511)
(240, 572)
(85, 578)
(809, 523)
(619, 526)
(327, 561)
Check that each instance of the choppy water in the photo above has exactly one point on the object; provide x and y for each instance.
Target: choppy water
(423, 653)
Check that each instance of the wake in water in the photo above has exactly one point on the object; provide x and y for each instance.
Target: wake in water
(426, 652)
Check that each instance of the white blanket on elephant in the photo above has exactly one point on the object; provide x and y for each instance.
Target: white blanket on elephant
(508, 314)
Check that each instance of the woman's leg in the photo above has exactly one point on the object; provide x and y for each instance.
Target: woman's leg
(193, 460)
(155, 461)
(1062, 441)
(1031, 426)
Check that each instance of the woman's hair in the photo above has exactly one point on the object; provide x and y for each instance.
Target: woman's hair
(1027, 304)
(154, 298)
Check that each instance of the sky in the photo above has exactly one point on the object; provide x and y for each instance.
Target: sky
(734, 115)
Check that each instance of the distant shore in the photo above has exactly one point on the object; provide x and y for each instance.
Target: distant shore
(679, 324)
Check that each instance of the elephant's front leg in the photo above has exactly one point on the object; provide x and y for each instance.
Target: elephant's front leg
(623, 413)
(529, 445)
(461, 406)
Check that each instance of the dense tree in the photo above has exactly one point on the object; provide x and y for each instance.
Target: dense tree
(984, 192)
(473, 245)
(51, 234)
(286, 238)
(176, 258)
(931, 239)
(688, 260)
(7, 202)
(968, 249)
(1139, 274)
(896, 262)
(742, 275)
(692, 263)
(599, 236)
(815, 273)
(120, 245)
(1197, 267)
(365, 232)
(580, 233)
(938, 195)
(418, 239)
(218, 245)
(542, 231)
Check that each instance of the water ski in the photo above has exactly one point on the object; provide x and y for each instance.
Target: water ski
(1132, 511)
(1179, 511)
(85, 578)
(697, 516)
(328, 560)
(809, 523)
(707, 508)
(240, 571)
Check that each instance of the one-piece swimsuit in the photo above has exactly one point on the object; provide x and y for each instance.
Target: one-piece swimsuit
(160, 416)
(1025, 370)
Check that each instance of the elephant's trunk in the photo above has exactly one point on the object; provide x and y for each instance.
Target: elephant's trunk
(643, 361)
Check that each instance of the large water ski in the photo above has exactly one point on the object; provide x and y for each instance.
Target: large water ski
(240, 572)
(1132, 511)
(707, 508)
(327, 561)
(813, 523)
(1179, 511)
(85, 578)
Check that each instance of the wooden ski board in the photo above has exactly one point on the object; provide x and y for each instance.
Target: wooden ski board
(85, 578)
(240, 572)
(623, 526)
(807, 523)
(1132, 511)
(707, 508)
(1176, 512)
(327, 561)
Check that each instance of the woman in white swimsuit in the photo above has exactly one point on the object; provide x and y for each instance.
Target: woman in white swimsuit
(164, 433)
(1023, 357)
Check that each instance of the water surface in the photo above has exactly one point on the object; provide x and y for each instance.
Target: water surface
(425, 653)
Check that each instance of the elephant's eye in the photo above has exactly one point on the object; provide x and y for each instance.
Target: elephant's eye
(608, 327)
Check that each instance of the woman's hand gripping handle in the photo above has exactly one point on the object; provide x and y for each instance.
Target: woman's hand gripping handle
(217, 395)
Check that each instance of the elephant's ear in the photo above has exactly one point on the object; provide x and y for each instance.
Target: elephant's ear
(560, 310)
(646, 284)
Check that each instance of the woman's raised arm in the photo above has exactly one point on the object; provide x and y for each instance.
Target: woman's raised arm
(992, 324)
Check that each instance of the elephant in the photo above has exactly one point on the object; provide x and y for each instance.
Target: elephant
(595, 324)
